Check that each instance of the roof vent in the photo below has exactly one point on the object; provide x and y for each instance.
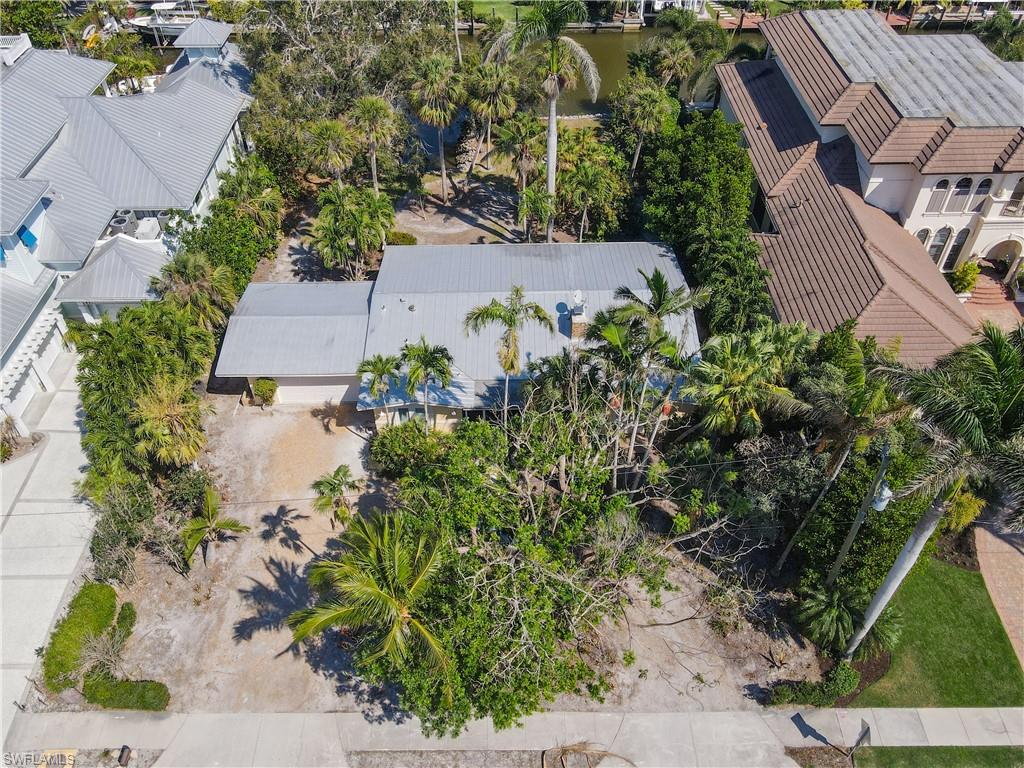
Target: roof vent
(796, 203)
(412, 307)
(12, 46)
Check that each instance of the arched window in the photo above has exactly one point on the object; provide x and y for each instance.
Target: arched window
(954, 252)
(1013, 208)
(961, 193)
(922, 235)
(983, 190)
(939, 243)
(938, 197)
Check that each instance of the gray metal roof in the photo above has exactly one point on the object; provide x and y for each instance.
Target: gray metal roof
(119, 271)
(953, 76)
(17, 199)
(228, 72)
(204, 33)
(152, 150)
(32, 113)
(427, 290)
(18, 301)
(296, 329)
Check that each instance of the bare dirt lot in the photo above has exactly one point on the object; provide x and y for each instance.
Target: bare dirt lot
(219, 641)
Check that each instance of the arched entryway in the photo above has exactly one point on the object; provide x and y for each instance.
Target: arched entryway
(1007, 258)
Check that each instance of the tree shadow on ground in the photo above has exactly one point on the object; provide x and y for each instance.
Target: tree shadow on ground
(279, 526)
(286, 590)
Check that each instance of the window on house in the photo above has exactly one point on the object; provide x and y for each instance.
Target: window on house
(961, 193)
(954, 252)
(1013, 208)
(938, 197)
(983, 190)
(922, 235)
(939, 243)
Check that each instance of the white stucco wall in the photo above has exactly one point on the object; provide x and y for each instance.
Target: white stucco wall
(22, 262)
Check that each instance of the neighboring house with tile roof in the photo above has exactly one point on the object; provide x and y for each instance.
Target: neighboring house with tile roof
(936, 124)
(86, 181)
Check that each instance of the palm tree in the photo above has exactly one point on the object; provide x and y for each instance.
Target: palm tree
(206, 293)
(352, 224)
(972, 409)
(437, 94)
(735, 383)
(332, 146)
(383, 371)
(675, 60)
(518, 140)
(645, 109)
(535, 204)
(375, 119)
(828, 615)
(378, 583)
(511, 315)
(330, 490)
(208, 527)
(853, 406)
(251, 185)
(492, 96)
(168, 419)
(587, 186)
(425, 363)
(566, 59)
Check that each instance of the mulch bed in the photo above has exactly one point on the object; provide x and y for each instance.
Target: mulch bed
(818, 757)
(871, 671)
(959, 549)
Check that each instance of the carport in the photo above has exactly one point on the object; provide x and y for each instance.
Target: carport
(309, 337)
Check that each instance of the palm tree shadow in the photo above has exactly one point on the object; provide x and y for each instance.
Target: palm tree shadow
(272, 601)
(279, 526)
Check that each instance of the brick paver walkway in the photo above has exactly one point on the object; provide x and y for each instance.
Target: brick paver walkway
(1001, 557)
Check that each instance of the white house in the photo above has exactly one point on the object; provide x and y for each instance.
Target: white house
(936, 122)
(87, 182)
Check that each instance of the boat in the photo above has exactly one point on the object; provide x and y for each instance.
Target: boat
(167, 21)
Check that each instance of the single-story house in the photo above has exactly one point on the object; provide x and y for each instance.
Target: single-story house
(311, 337)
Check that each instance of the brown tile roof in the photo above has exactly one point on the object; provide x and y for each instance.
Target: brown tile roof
(882, 133)
(835, 257)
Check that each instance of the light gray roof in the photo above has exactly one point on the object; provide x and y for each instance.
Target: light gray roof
(152, 150)
(427, 290)
(953, 76)
(18, 301)
(296, 329)
(228, 72)
(32, 113)
(204, 33)
(119, 271)
(17, 199)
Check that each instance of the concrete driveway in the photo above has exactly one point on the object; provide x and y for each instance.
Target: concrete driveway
(44, 532)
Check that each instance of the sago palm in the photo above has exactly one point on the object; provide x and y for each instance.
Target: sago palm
(332, 146)
(426, 363)
(828, 616)
(382, 372)
(209, 526)
(510, 315)
(168, 422)
(518, 139)
(331, 490)
(566, 60)
(972, 412)
(374, 118)
(206, 293)
(437, 94)
(378, 584)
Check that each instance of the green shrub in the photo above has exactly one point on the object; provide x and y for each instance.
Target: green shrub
(90, 613)
(963, 278)
(5, 452)
(398, 447)
(401, 238)
(264, 391)
(125, 619)
(124, 518)
(841, 680)
(186, 488)
(104, 689)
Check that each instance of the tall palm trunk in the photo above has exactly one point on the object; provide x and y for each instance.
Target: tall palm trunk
(504, 413)
(649, 448)
(904, 562)
(476, 158)
(487, 156)
(814, 507)
(455, 27)
(583, 222)
(373, 169)
(426, 408)
(444, 169)
(636, 424)
(636, 154)
(552, 154)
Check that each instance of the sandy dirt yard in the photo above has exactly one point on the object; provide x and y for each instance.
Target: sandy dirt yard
(219, 641)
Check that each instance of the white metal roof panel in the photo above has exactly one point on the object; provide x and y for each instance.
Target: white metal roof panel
(204, 33)
(17, 199)
(120, 270)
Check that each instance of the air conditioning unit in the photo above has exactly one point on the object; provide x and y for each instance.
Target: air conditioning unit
(119, 225)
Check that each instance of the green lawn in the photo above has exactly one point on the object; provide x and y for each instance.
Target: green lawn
(953, 651)
(940, 757)
(502, 8)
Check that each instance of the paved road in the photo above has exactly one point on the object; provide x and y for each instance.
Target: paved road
(43, 532)
(748, 739)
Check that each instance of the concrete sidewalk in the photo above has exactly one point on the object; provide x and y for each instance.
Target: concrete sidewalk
(662, 740)
(44, 531)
